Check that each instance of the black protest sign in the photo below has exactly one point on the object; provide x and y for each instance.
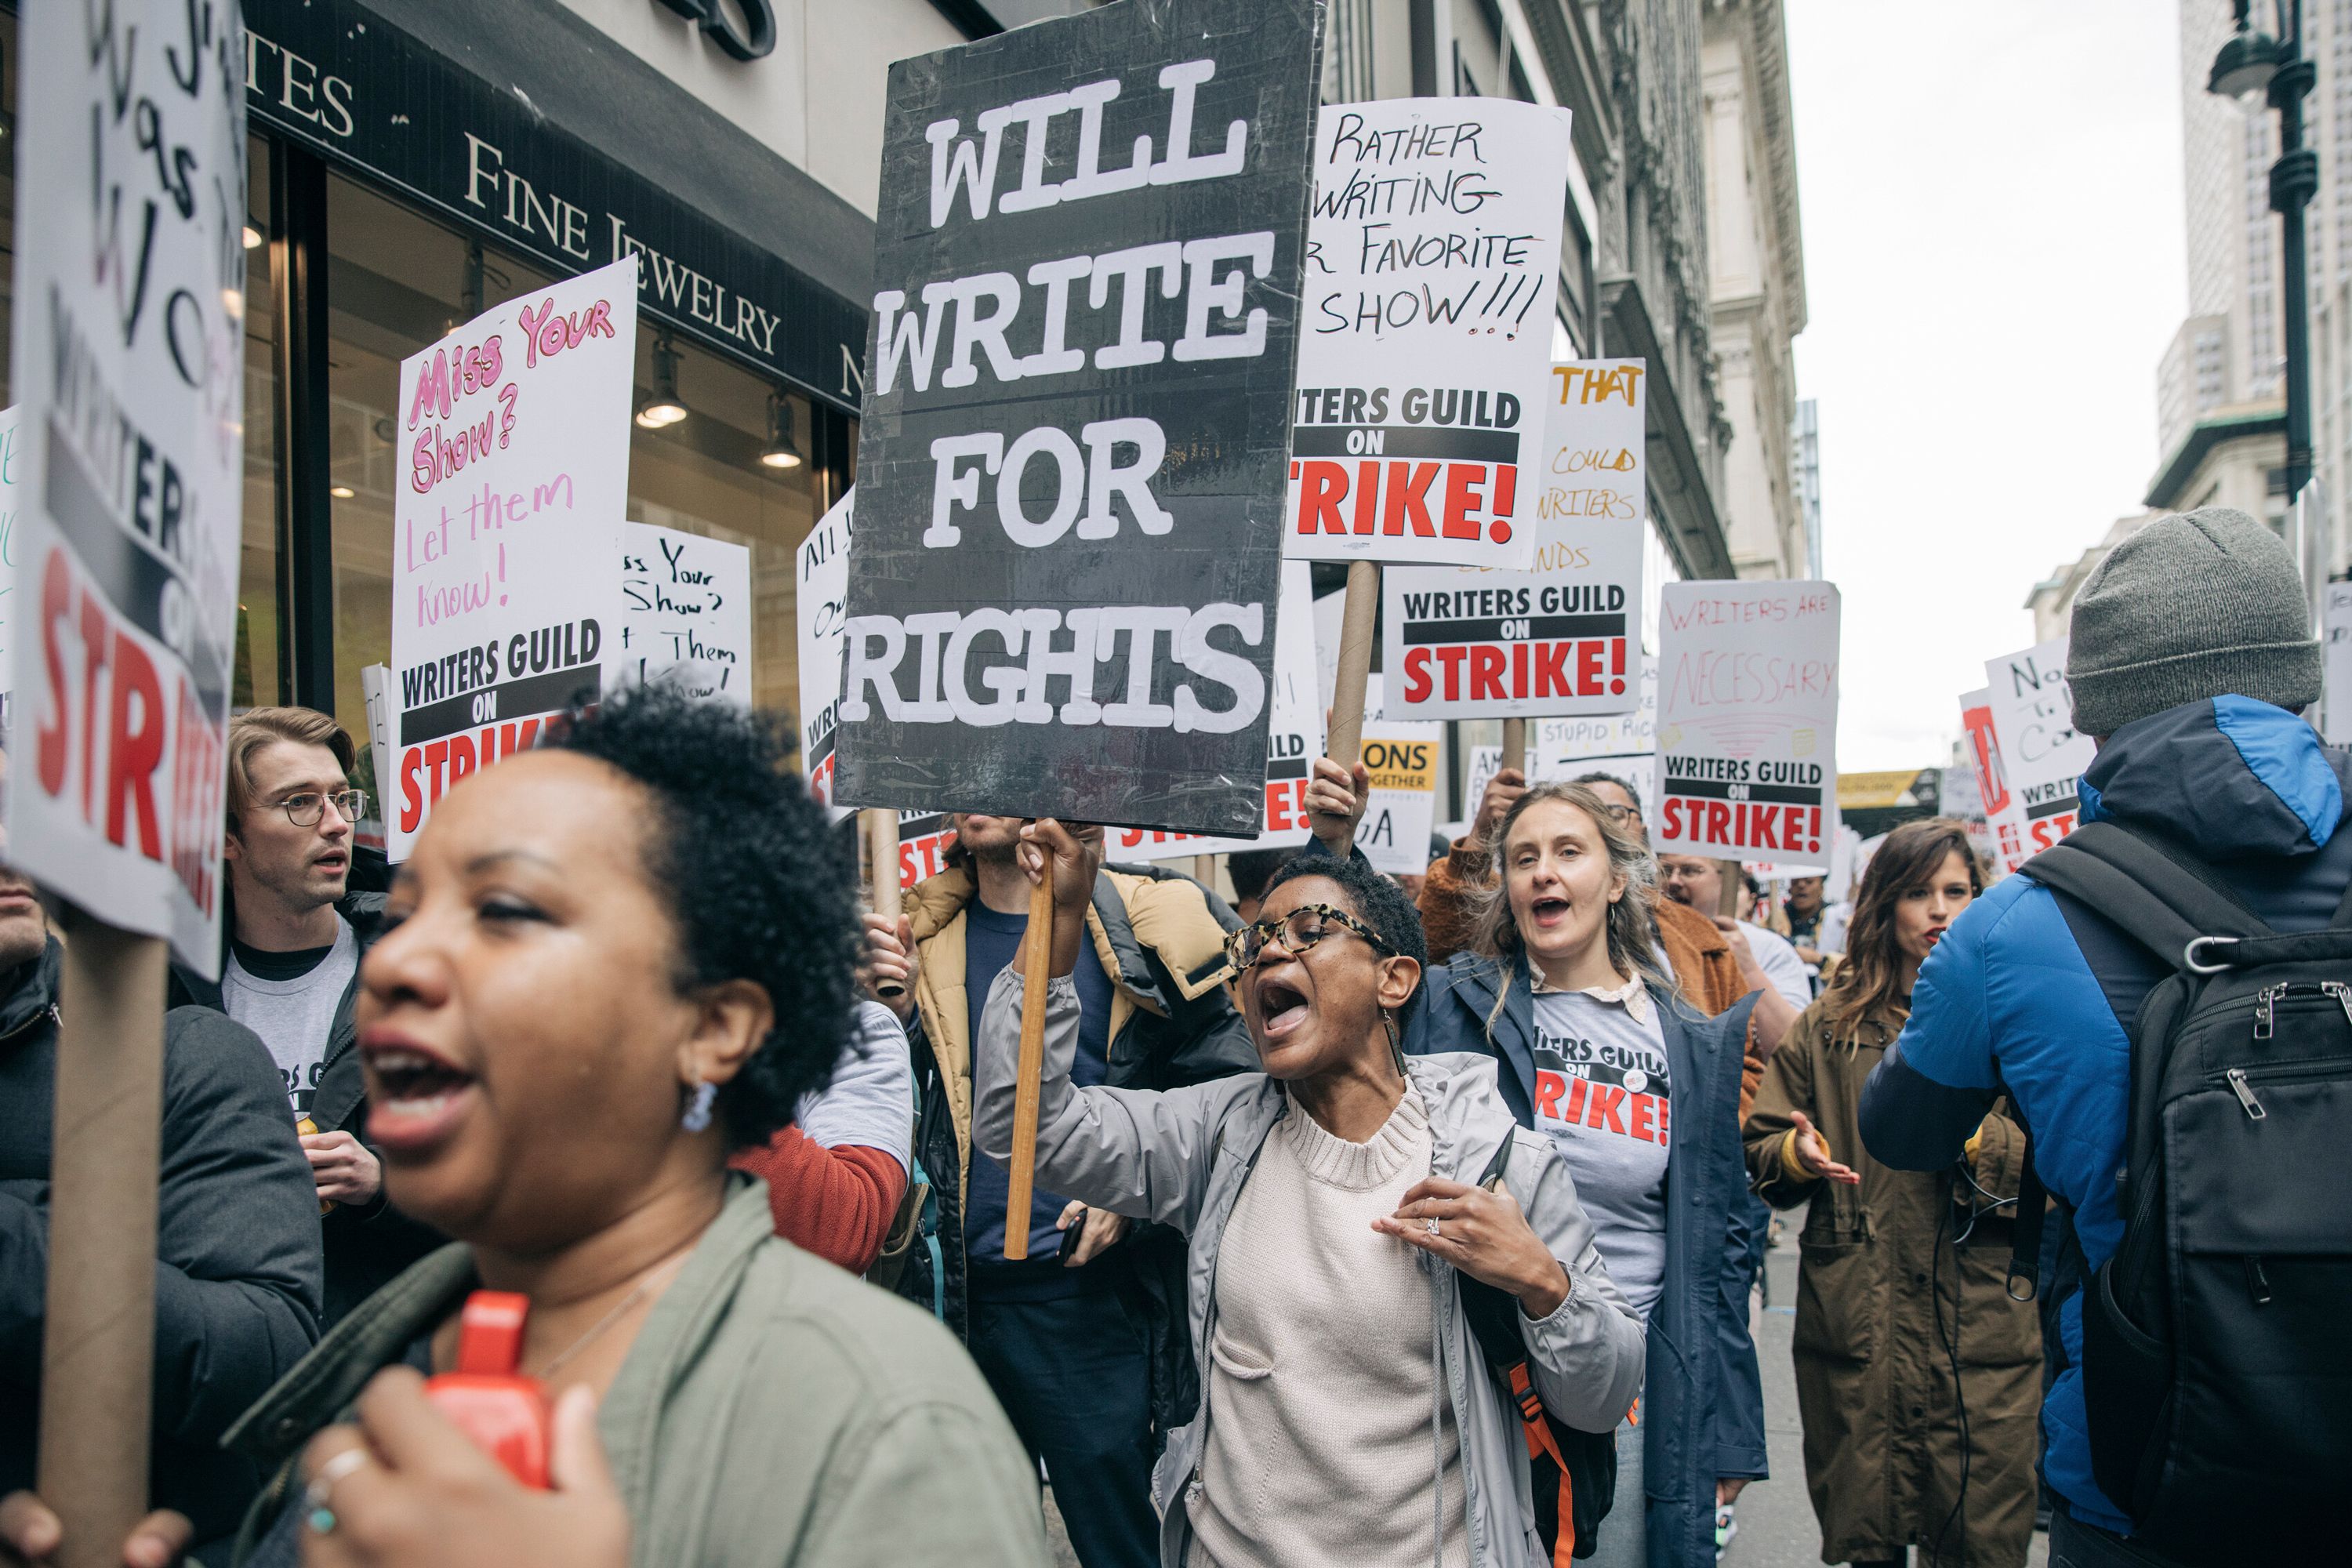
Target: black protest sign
(1063, 577)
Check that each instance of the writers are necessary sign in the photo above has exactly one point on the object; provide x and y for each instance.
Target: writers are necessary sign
(1748, 690)
(1063, 584)
(514, 453)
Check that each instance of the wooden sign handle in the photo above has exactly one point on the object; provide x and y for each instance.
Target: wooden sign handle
(1363, 602)
(98, 1354)
(1036, 971)
(882, 838)
(1515, 748)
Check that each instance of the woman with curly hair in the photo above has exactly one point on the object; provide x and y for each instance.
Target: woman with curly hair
(1639, 1094)
(1917, 1376)
(610, 964)
(1339, 1211)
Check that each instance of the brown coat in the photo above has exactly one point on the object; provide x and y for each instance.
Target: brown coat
(1873, 1351)
(1697, 951)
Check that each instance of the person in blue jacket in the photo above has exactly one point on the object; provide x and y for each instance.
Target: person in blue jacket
(2190, 653)
(1640, 1093)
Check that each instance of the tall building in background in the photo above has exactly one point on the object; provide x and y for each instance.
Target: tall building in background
(1755, 257)
(1805, 479)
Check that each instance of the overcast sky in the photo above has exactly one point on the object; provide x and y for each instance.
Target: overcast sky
(1994, 262)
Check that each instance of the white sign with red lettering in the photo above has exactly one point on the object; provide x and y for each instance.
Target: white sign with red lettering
(514, 478)
(1294, 740)
(1564, 636)
(822, 571)
(1424, 346)
(1748, 697)
(129, 326)
(2004, 817)
(2040, 751)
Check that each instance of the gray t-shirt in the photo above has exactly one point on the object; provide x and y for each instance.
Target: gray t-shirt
(1603, 1093)
(294, 1017)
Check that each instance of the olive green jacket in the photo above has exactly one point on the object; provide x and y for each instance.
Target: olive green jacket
(773, 1410)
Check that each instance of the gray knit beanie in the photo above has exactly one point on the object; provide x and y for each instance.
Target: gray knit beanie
(2201, 605)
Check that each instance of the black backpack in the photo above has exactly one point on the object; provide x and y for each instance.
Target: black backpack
(2217, 1342)
(1570, 1469)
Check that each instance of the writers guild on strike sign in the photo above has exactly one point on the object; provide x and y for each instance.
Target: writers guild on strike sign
(1063, 577)
(1743, 806)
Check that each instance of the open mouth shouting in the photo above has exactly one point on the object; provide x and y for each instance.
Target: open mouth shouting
(417, 1096)
(1549, 911)
(1281, 1008)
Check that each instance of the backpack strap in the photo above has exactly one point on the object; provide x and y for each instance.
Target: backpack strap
(2162, 896)
(1494, 1316)
(2026, 1231)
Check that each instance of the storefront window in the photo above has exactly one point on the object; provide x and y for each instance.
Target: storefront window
(396, 282)
(256, 682)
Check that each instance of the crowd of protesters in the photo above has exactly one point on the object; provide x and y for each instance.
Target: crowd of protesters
(1376, 1222)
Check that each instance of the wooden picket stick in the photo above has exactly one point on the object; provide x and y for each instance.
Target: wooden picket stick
(882, 838)
(1515, 747)
(1205, 871)
(1035, 971)
(1363, 603)
(98, 1354)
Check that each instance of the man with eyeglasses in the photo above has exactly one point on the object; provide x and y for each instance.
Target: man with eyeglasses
(291, 973)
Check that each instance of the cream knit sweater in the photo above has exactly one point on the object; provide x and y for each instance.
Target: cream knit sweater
(1320, 1449)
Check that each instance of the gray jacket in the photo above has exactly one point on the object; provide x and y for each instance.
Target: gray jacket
(1182, 1157)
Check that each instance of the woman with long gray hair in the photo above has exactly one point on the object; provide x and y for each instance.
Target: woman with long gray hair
(1638, 1093)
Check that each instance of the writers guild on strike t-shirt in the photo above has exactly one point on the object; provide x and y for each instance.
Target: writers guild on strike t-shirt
(1606, 1090)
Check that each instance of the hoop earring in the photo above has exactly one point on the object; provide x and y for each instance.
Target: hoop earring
(697, 1108)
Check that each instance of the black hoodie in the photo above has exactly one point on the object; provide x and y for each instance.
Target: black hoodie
(237, 1277)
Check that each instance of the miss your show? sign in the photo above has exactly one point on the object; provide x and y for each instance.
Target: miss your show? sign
(505, 531)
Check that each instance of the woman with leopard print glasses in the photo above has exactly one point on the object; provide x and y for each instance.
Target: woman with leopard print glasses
(1338, 1204)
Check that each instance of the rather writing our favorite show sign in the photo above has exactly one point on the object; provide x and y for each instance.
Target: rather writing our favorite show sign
(1426, 348)
(1062, 598)
(2041, 752)
(1748, 690)
(514, 476)
(1565, 636)
(129, 327)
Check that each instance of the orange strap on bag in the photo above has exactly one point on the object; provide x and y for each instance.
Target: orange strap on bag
(1541, 1445)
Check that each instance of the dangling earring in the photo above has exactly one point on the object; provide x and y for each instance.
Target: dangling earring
(697, 1108)
(1396, 1042)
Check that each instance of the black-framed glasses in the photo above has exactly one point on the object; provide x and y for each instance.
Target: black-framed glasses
(305, 809)
(1300, 929)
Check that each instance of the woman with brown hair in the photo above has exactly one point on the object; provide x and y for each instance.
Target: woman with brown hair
(1638, 1093)
(1917, 1376)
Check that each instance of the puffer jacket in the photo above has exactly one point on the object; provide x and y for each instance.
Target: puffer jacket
(1894, 1288)
(1160, 939)
(1182, 1158)
(2034, 990)
(236, 1245)
(1703, 1402)
(367, 1245)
